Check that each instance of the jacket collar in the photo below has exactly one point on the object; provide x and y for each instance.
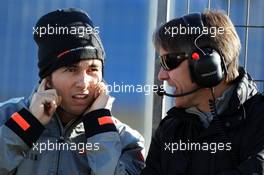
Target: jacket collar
(242, 89)
(245, 89)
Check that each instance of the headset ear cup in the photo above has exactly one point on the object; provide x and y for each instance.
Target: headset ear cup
(207, 70)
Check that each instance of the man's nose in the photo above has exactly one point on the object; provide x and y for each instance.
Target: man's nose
(84, 80)
(163, 75)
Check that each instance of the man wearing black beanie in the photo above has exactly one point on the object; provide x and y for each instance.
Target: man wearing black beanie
(65, 127)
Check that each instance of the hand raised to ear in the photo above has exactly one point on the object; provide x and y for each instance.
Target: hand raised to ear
(102, 99)
(44, 103)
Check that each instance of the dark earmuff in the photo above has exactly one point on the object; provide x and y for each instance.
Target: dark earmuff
(207, 66)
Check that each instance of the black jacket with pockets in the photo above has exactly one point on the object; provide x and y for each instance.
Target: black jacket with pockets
(238, 134)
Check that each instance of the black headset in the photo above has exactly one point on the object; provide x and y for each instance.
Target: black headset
(207, 65)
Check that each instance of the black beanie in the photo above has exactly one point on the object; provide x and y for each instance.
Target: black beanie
(65, 37)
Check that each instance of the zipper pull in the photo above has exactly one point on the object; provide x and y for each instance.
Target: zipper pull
(61, 139)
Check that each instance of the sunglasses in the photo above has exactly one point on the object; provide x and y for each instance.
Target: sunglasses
(172, 60)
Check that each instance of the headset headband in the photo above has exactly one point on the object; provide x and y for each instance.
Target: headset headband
(193, 20)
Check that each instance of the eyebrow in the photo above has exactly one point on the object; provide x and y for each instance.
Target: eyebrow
(94, 65)
(77, 65)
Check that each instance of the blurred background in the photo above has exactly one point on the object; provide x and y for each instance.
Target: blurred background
(126, 29)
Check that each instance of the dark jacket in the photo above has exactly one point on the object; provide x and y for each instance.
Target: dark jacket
(233, 143)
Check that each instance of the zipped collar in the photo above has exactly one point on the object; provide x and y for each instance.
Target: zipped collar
(242, 89)
(221, 106)
(245, 89)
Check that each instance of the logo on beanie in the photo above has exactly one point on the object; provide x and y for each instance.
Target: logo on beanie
(74, 49)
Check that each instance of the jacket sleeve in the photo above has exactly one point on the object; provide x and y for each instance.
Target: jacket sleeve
(252, 145)
(120, 149)
(19, 129)
(253, 156)
(153, 165)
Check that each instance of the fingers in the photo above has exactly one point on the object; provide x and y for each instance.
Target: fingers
(102, 102)
(42, 85)
(44, 103)
(50, 107)
(54, 93)
(59, 100)
(102, 89)
(50, 93)
(49, 101)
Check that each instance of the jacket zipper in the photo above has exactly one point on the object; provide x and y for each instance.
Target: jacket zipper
(62, 132)
(58, 141)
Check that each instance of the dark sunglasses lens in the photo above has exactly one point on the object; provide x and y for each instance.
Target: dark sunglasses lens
(169, 62)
